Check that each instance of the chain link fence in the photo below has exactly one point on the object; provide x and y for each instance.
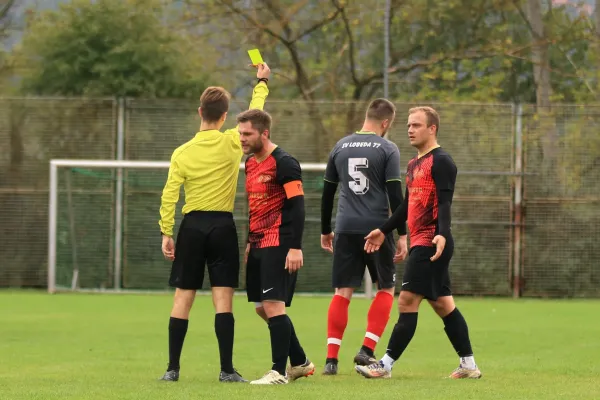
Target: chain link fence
(525, 215)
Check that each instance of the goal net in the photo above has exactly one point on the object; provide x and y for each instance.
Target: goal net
(104, 236)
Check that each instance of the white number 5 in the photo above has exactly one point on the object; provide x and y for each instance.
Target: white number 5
(360, 184)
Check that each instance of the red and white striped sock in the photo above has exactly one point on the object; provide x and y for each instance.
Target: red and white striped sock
(378, 317)
(337, 319)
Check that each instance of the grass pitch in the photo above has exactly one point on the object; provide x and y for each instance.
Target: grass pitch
(91, 346)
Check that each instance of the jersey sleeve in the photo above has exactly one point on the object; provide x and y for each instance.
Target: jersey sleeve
(392, 165)
(289, 175)
(443, 172)
(331, 174)
(170, 196)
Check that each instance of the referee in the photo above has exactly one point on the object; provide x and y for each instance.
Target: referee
(208, 168)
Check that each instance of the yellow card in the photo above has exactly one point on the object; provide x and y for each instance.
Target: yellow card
(255, 56)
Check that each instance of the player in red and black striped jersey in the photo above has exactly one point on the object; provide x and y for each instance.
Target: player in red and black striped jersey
(430, 181)
(274, 250)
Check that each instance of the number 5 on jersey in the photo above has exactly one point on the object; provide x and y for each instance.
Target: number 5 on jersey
(360, 183)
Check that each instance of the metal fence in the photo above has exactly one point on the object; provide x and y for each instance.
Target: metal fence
(525, 216)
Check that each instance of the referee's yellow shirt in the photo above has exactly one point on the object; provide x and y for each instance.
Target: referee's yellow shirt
(208, 167)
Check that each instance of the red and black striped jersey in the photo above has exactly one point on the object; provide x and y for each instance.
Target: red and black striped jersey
(429, 179)
(270, 183)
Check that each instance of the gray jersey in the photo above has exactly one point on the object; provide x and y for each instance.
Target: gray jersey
(362, 163)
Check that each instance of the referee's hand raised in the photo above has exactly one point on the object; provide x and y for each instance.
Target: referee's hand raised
(293, 261)
(263, 71)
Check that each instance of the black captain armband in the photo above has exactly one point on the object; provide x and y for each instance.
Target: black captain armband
(265, 80)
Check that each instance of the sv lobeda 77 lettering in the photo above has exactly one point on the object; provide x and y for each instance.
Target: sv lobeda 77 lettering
(361, 144)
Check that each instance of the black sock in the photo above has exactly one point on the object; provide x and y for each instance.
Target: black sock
(177, 330)
(458, 332)
(367, 350)
(402, 334)
(224, 328)
(297, 355)
(280, 329)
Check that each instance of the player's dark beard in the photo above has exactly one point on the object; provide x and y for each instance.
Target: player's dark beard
(256, 147)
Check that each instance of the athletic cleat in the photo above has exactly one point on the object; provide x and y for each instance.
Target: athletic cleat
(331, 368)
(465, 373)
(234, 377)
(271, 378)
(299, 371)
(373, 371)
(362, 358)
(172, 376)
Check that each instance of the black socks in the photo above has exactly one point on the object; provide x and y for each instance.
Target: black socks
(402, 334)
(458, 333)
(224, 329)
(297, 355)
(177, 330)
(280, 328)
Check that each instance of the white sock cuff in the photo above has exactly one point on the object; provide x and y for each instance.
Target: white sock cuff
(334, 341)
(372, 336)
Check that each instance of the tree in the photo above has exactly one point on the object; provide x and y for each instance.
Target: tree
(5, 27)
(597, 17)
(109, 47)
(540, 53)
(334, 49)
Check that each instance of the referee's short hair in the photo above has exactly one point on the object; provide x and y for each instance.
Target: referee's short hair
(214, 102)
(260, 120)
(380, 110)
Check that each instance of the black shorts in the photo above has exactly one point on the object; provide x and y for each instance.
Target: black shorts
(206, 237)
(431, 279)
(266, 276)
(349, 260)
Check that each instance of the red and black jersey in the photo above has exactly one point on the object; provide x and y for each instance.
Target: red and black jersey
(430, 181)
(270, 186)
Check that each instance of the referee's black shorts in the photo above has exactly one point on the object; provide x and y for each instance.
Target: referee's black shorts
(206, 237)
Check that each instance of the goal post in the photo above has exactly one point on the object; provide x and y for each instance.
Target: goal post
(102, 227)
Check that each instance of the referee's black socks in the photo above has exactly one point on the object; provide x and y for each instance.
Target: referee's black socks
(458, 333)
(177, 330)
(224, 328)
(280, 328)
